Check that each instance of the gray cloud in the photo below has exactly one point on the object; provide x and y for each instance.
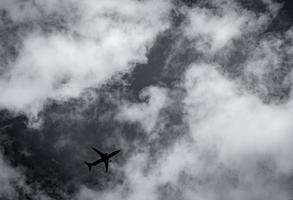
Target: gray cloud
(9, 176)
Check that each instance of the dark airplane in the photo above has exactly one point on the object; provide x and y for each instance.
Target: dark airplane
(104, 158)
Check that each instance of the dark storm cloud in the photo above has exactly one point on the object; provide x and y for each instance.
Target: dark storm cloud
(205, 115)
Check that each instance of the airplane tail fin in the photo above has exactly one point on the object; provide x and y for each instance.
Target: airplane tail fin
(89, 165)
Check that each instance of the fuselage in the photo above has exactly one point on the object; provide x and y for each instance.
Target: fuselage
(104, 157)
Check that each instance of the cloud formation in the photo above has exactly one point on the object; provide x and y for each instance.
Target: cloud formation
(237, 144)
(215, 26)
(100, 40)
(145, 113)
(237, 147)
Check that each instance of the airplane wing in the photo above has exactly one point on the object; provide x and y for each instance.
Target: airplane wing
(113, 153)
(100, 153)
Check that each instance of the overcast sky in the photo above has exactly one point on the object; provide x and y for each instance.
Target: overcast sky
(196, 94)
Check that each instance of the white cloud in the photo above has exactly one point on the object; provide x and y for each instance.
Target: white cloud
(237, 147)
(238, 124)
(216, 27)
(241, 130)
(143, 182)
(215, 30)
(103, 38)
(268, 67)
(145, 113)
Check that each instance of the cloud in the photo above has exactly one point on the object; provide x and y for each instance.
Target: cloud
(237, 123)
(145, 113)
(269, 67)
(8, 177)
(217, 31)
(237, 146)
(143, 182)
(13, 183)
(101, 39)
(66, 48)
(216, 26)
(241, 134)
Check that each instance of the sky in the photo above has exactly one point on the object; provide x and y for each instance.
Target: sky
(196, 94)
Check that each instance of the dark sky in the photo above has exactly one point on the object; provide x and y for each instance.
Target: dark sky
(196, 94)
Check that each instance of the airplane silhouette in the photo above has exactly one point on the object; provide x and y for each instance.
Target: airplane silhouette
(104, 158)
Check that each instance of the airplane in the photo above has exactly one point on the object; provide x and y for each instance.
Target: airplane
(104, 158)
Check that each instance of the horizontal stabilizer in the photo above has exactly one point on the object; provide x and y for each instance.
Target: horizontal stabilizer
(89, 165)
